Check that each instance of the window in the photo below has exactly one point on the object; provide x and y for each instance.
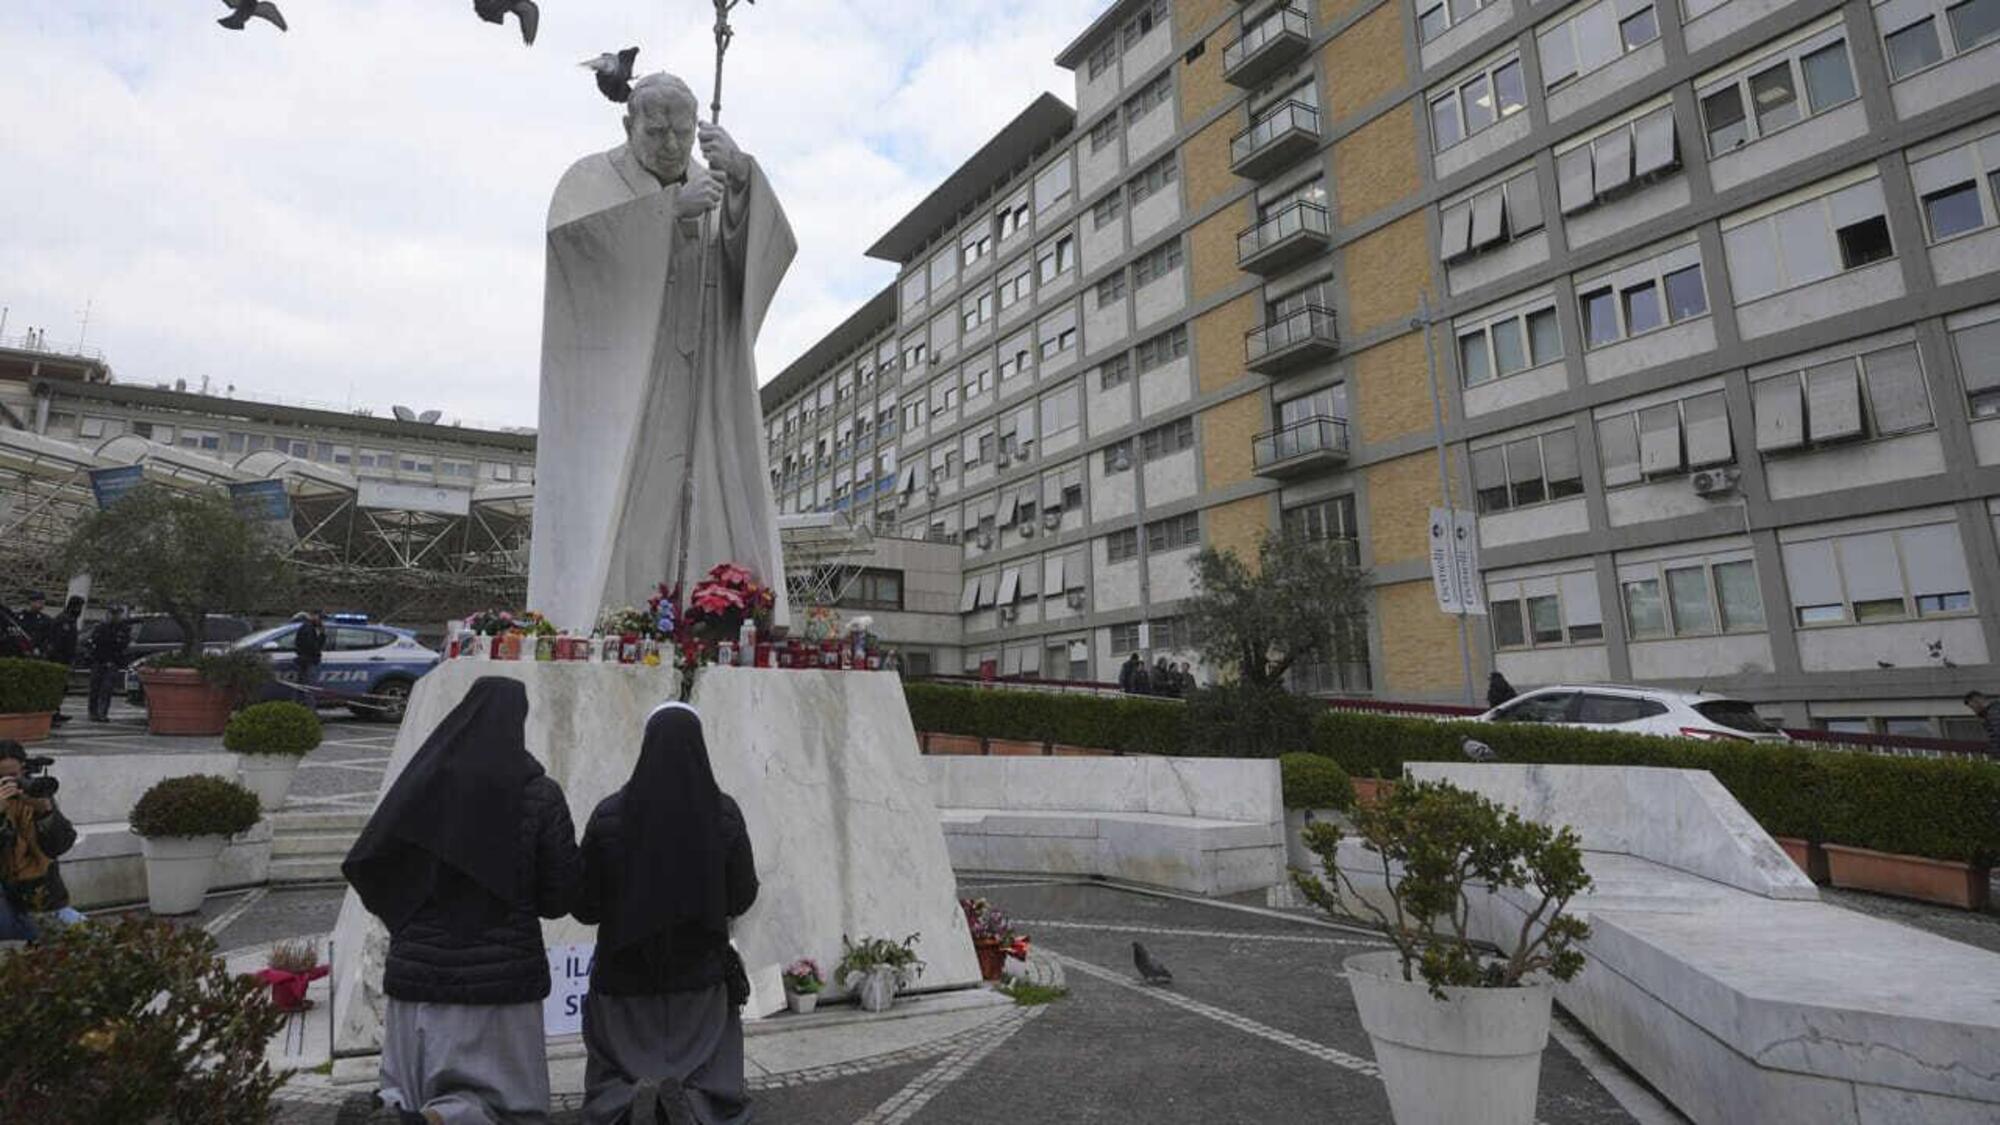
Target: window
(1174, 533)
(1052, 187)
(1121, 546)
(1477, 102)
(915, 350)
(1059, 412)
(1139, 26)
(1155, 177)
(1978, 349)
(1164, 441)
(1164, 348)
(1953, 210)
(1118, 457)
(943, 270)
(1528, 471)
(1125, 638)
(1879, 393)
(1435, 16)
(1595, 37)
(1156, 264)
(1106, 211)
(1878, 575)
(1013, 219)
(1665, 439)
(1919, 43)
(1609, 710)
(1057, 334)
(1691, 598)
(1543, 707)
(1016, 358)
(1016, 287)
(1326, 402)
(1170, 633)
(1616, 161)
(1331, 520)
(913, 414)
(1114, 373)
(1509, 343)
(1104, 134)
(1056, 257)
(1807, 241)
(976, 310)
(977, 245)
(1111, 289)
(978, 380)
(1490, 217)
(1103, 58)
(1150, 97)
(1641, 300)
(1770, 87)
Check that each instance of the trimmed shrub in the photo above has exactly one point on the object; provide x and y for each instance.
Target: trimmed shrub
(239, 673)
(1135, 726)
(1314, 781)
(31, 686)
(273, 728)
(1240, 720)
(201, 805)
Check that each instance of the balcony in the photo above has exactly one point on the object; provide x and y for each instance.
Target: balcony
(1303, 447)
(1277, 40)
(1291, 341)
(1287, 237)
(1279, 138)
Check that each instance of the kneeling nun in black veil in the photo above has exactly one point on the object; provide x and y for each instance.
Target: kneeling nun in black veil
(468, 847)
(666, 864)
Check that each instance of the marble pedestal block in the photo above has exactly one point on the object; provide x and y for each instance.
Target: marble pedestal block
(824, 765)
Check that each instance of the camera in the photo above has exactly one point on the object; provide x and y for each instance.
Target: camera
(36, 784)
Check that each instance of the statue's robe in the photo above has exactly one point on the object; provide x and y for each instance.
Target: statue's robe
(622, 333)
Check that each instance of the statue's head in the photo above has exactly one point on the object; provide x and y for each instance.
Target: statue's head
(659, 122)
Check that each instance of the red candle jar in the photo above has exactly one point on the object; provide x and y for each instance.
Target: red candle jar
(763, 654)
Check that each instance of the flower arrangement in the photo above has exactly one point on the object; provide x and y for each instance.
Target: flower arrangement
(292, 966)
(721, 602)
(822, 623)
(491, 622)
(804, 977)
(859, 958)
(986, 921)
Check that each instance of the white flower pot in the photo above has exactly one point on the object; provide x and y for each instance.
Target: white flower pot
(269, 776)
(876, 988)
(178, 869)
(804, 1002)
(1476, 1055)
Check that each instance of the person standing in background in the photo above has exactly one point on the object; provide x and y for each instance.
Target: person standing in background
(35, 621)
(310, 645)
(108, 645)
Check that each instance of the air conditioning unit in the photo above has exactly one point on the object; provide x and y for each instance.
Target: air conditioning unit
(931, 490)
(985, 540)
(1008, 613)
(1027, 529)
(1714, 482)
(1076, 599)
(1006, 461)
(903, 501)
(1052, 519)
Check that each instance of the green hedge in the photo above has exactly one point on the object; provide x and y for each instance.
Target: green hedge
(31, 686)
(199, 805)
(1940, 808)
(278, 727)
(1314, 781)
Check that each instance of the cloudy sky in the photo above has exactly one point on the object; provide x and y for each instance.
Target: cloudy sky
(352, 212)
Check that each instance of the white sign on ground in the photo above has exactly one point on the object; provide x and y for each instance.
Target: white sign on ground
(569, 980)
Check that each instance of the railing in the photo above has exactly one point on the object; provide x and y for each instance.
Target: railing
(1272, 124)
(1033, 683)
(1892, 745)
(1288, 20)
(1298, 217)
(1297, 327)
(38, 341)
(1318, 434)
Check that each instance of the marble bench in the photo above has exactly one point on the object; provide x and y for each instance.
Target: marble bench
(1209, 826)
(1715, 971)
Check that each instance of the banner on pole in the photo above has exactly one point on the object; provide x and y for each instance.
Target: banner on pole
(1444, 571)
(1454, 543)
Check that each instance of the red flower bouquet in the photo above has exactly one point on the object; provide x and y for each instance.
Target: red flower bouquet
(727, 597)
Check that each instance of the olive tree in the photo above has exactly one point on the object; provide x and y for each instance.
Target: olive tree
(1302, 600)
(184, 554)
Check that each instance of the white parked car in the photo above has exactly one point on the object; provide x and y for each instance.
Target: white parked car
(1639, 710)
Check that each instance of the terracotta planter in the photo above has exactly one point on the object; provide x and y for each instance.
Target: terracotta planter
(1013, 748)
(1368, 790)
(26, 726)
(992, 957)
(1909, 876)
(960, 744)
(1810, 857)
(179, 701)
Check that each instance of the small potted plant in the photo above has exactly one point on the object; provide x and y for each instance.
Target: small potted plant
(271, 737)
(875, 969)
(993, 938)
(183, 824)
(290, 969)
(803, 982)
(1315, 789)
(1458, 1029)
(30, 692)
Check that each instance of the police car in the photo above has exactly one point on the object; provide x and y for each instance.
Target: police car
(370, 668)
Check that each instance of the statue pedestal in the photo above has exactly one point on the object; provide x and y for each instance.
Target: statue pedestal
(824, 765)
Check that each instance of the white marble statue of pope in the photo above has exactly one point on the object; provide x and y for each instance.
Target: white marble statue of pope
(622, 334)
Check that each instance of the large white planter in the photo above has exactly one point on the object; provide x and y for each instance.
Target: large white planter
(178, 869)
(1475, 1056)
(269, 776)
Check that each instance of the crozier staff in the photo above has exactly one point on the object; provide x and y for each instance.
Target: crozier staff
(666, 864)
(468, 847)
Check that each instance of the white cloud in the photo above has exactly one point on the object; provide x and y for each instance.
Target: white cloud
(353, 211)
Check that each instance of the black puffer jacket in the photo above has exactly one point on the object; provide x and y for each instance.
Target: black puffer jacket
(504, 963)
(690, 958)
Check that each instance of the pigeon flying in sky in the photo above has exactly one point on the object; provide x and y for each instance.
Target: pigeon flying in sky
(614, 73)
(1151, 970)
(242, 11)
(495, 11)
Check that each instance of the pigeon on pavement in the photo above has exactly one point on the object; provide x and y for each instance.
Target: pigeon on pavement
(614, 73)
(495, 11)
(1151, 970)
(243, 11)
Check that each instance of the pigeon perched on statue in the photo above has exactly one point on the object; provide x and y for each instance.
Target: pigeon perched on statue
(614, 73)
(495, 11)
(1152, 971)
(241, 12)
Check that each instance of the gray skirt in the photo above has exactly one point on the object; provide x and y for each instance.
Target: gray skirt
(472, 1064)
(694, 1038)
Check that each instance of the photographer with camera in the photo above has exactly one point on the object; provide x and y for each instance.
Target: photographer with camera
(33, 832)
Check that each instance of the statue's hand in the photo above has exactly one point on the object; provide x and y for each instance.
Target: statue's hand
(700, 195)
(718, 150)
